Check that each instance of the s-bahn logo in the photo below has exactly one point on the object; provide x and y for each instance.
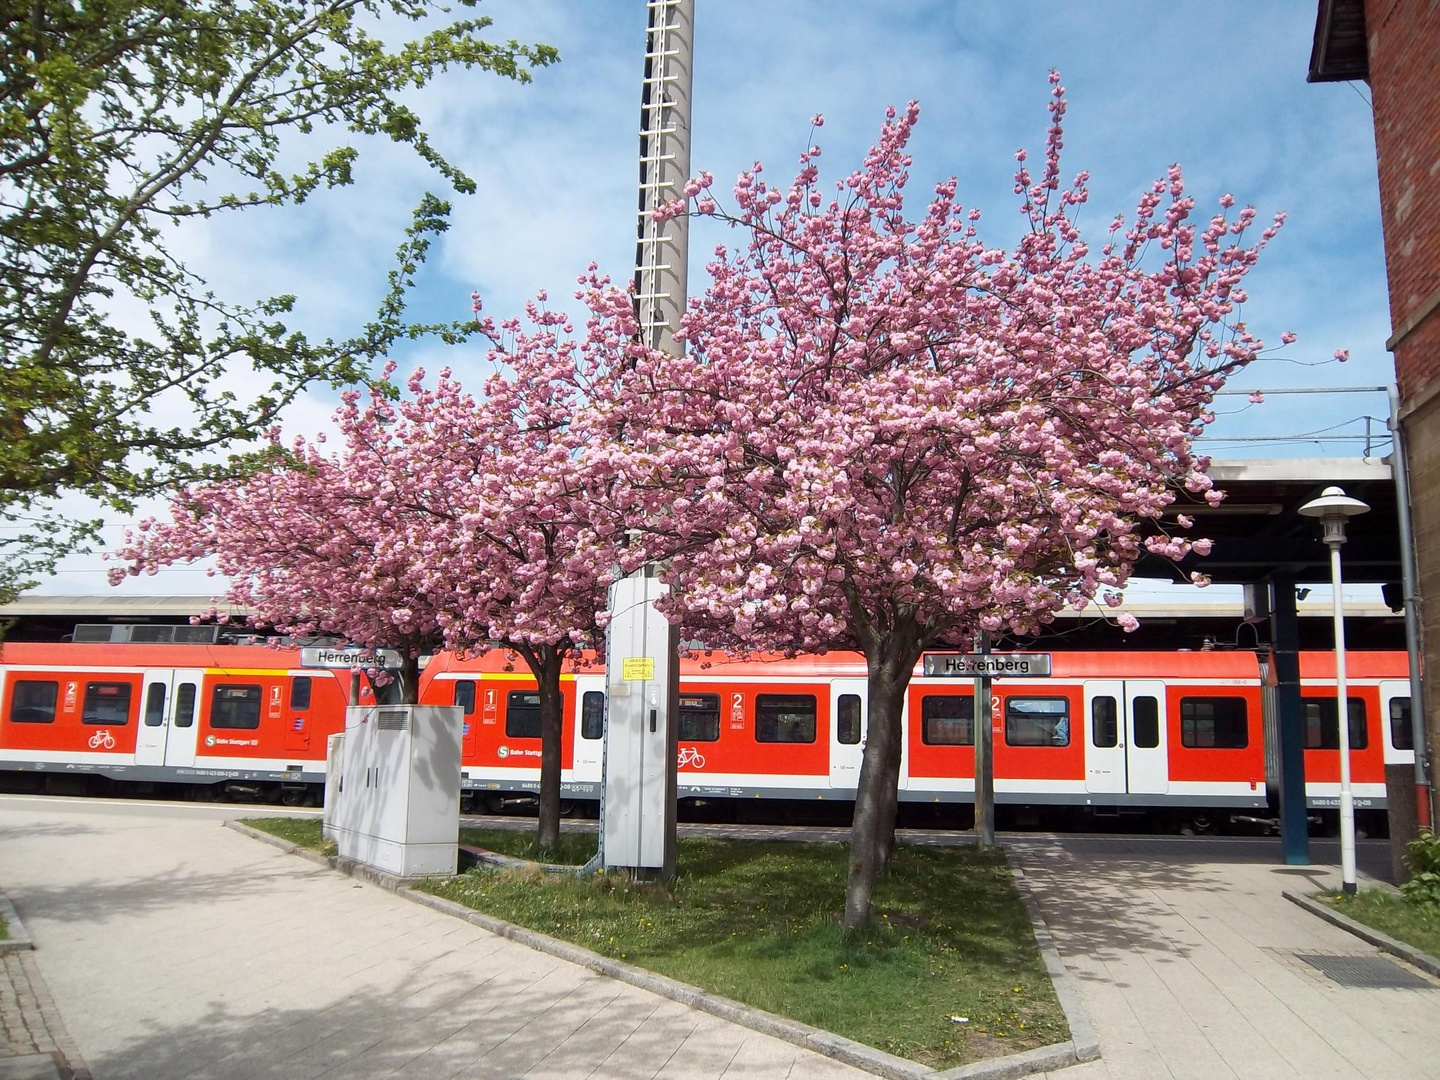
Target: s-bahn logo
(503, 752)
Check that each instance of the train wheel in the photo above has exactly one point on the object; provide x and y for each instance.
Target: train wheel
(1200, 825)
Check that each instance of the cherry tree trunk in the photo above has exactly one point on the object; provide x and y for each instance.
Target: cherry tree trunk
(546, 670)
(409, 678)
(872, 834)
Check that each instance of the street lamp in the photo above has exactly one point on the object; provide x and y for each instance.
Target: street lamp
(1332, 508)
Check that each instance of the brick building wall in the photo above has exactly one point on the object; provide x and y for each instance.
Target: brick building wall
(1403, 38)
(1403, 47)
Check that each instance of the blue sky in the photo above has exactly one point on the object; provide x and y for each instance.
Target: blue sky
(1219, 87)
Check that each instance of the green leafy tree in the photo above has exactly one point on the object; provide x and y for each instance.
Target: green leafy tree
(122, 119)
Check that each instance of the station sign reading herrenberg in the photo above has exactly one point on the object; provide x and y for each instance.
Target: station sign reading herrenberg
(349, 656)
(986, 665)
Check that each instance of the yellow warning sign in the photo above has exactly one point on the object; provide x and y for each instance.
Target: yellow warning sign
(637, 668)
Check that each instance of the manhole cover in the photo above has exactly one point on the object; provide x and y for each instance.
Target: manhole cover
(1365, 971)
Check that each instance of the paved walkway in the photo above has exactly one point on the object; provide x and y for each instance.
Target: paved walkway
(1185, 955)
(179, 949)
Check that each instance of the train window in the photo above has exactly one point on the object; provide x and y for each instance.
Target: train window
(106, 703)
(233, 706)
(185, 704)
(522, 715)
(947, 719)
(1145, 711)
(1037, 721)
(155, 705)
(699, 717)
(1214, 723)
(1104, 722)
(592, 714)
(785, 718)
(1402, 733)
(465, 695)
(34, 702)
(1321, 730)
(847, 720)
(300, 692)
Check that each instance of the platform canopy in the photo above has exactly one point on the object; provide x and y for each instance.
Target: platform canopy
(1258, 530)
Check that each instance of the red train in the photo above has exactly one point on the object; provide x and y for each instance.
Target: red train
(1185, 733)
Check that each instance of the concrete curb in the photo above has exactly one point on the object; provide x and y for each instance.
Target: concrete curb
(19, 937)
(1411, 955)
(364, 871)
(1083, 1045)
(791, 1031)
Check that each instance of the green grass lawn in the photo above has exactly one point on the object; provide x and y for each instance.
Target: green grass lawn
(575, 848)
(949, 974)
(1380, 909)
(4, 930)
(303, 831)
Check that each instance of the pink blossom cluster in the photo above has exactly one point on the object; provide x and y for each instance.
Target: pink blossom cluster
(881, 424)
(315, 543)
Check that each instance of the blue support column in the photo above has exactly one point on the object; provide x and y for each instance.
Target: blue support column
(1289, 721)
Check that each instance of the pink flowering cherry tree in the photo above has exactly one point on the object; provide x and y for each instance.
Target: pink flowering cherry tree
(887, 436)
(445, 520)
(502, 483)
(319, 543)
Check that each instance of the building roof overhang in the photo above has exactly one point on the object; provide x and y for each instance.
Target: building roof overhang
(1339, 53)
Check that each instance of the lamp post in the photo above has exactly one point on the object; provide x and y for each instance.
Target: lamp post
(1333, 507)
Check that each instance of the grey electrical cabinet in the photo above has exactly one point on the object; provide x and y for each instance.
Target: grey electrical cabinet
(397, 795)
(638, 810)
(334, 751)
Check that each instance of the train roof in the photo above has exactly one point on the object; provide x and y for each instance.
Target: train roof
(1200, 664)
(145, 655)
(1358, 665)
(1218, 664)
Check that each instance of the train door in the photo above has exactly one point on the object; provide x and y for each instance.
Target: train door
(1147, 762)
(589, 727)
(167, 718)
(1105, 738)
(1125, 747)
(847, 732)
(1398, 735)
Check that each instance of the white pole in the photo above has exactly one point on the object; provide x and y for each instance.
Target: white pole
(1342, 706)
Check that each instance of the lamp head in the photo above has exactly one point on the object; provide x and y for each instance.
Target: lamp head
(1332, 508)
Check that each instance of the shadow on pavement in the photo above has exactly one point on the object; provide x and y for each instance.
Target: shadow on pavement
(1111, 896)
(98, 900)
(438, 1028)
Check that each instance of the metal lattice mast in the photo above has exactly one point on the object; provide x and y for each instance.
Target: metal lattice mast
(661, 249)
(637, 805)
